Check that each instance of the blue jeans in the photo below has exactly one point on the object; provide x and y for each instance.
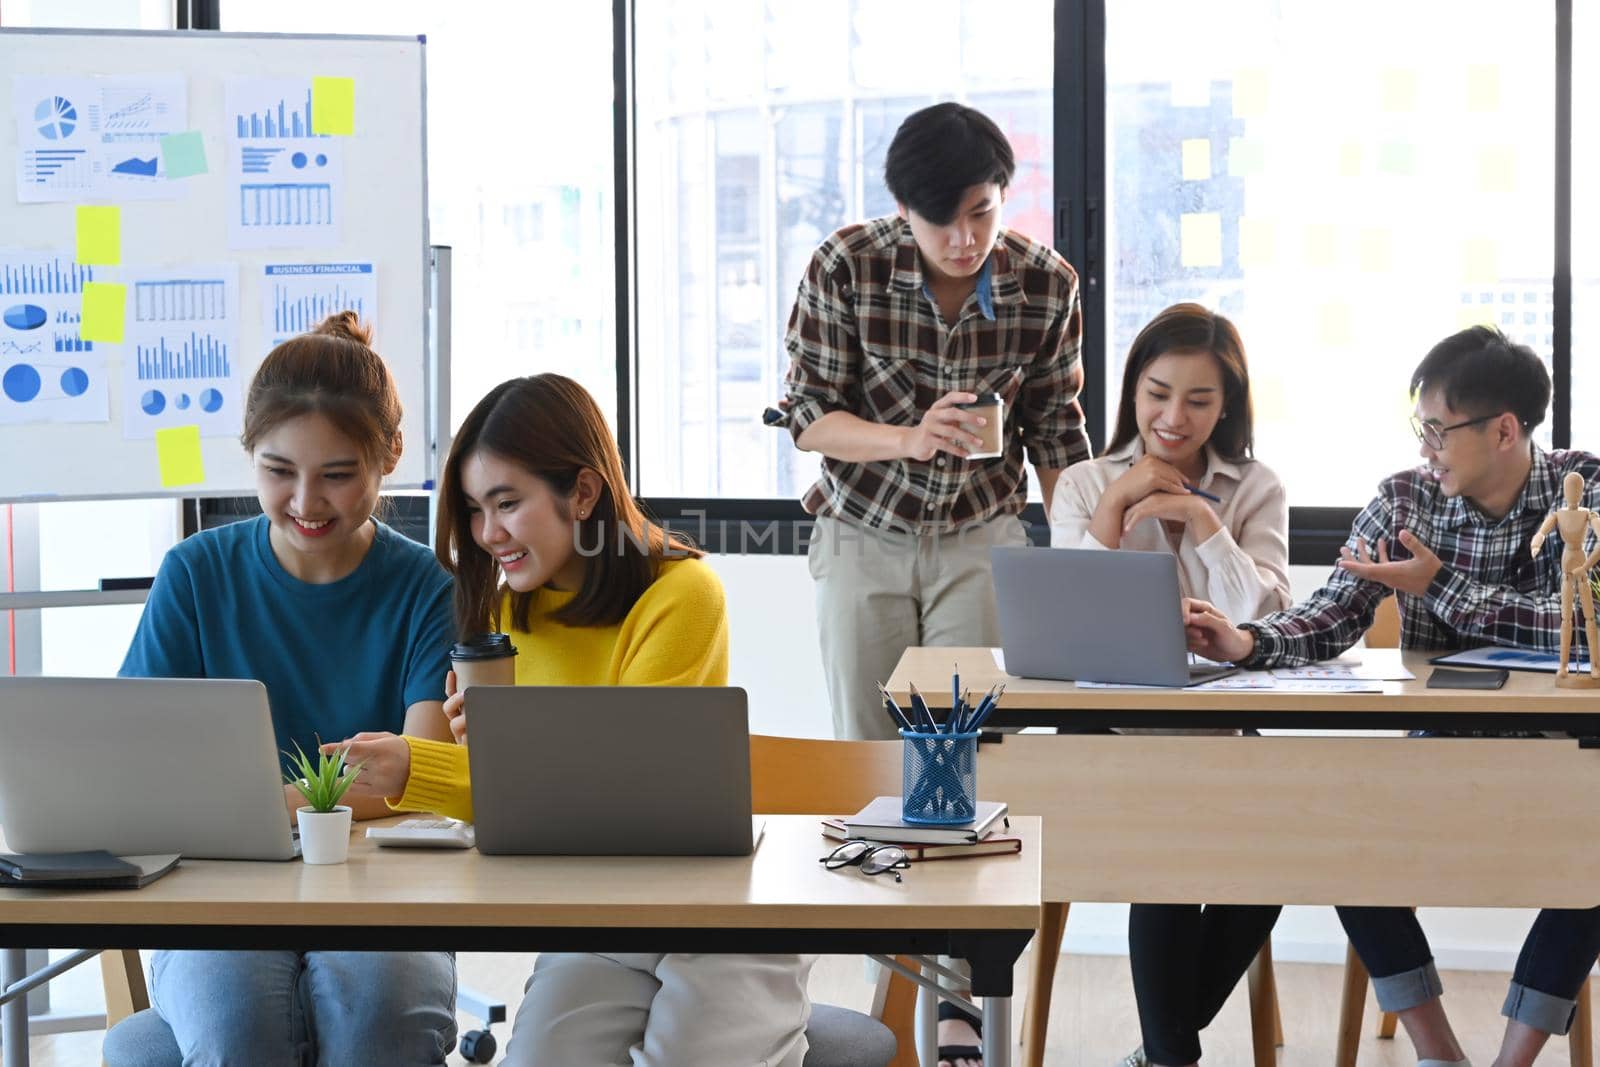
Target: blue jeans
(287, 1009)
(1556, 956)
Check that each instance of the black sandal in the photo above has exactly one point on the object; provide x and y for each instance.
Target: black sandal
(952, 1053)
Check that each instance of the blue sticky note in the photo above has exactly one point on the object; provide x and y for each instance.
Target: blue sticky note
(184, 154)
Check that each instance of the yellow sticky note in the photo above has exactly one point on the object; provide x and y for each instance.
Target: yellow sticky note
(1258, 242)
(99, 235)
(1350, 159)
(105, 312)
(1483, 87)
(1196, 159)
(178, 451)
(1322, 244)
(1474, 315)
(1246, 156)
(1497, 170)
(1251, 88)
(1480, 260)
(1200, 239)
(1375, 251)
(1399, 89)
(333, 105)
(1336, 325)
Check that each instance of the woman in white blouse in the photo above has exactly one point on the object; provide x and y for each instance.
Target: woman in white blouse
(1183, 437)
(1184, 423)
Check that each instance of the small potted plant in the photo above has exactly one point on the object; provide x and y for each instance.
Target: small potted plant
(324, 822)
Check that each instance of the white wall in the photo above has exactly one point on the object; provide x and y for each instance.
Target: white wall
(775, 658)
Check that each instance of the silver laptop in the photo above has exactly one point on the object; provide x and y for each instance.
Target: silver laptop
(1094, 616)
(602, 770)
(138, 766)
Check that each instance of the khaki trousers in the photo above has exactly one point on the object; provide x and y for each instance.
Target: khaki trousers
(879, 593)
(583, 1009)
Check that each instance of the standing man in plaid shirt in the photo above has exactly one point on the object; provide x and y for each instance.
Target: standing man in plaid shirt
(897, 322)
(1451, 541)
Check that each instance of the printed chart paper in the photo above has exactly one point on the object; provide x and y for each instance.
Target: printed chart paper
(286, 186)
(180, 362)
(297, 296)
(48, 372)
(82, 139)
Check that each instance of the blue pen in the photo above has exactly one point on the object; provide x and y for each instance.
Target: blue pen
(1202, 493)
(919, 707)
(894, 709)
(979, 720)
(955, 697)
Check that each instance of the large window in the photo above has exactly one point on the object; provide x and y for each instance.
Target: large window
(1349, 195)
(520, 176)
(762, 128)
(1585, 227)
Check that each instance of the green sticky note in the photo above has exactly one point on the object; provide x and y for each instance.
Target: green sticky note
(105, 312)
(178, 451)
(333, 105)
(100, 235)
(1398, 158)
(184, 154)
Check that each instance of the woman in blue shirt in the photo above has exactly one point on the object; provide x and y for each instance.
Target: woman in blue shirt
(348, 625)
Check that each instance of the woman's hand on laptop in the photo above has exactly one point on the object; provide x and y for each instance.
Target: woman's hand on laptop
(385, 762)
(1211, 634)
(455, 708)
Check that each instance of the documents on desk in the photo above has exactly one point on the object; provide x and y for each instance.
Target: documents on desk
(1256, 681)
(1357, 671)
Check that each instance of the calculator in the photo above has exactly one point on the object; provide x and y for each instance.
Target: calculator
(424, 833)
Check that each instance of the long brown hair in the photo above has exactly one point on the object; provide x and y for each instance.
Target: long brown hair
(333, 372)
(551, 427)
(1193, 328)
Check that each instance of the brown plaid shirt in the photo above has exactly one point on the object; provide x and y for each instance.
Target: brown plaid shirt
(865, 337)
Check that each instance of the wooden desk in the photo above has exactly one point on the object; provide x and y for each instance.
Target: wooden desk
(778, 900)
(1527, 702)
(1283, 820)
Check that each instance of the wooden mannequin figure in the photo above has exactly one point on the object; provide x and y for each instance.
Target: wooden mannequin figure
(1574, 523)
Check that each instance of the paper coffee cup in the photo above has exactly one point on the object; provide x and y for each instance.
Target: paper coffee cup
(484, 659)
(993, 409)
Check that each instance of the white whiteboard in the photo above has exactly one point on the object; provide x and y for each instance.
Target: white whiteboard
(382, 220)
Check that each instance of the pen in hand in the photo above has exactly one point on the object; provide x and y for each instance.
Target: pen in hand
(1202, 494)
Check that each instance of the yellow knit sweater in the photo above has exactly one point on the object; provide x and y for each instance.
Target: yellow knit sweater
(676, 634)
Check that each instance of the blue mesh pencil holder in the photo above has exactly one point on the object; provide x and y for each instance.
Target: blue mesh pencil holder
(940, 783)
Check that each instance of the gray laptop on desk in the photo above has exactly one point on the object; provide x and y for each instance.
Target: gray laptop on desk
(139, 766)
(602, 770)
(1094, 616)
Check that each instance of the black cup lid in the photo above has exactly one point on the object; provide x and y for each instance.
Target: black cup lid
(483, 646)
(984, 400)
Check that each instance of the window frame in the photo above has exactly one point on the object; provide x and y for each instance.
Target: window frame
(1079, 176)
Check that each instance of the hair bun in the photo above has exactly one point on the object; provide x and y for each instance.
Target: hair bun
(348, 325)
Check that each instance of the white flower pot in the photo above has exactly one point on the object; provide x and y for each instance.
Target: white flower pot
(325, 835)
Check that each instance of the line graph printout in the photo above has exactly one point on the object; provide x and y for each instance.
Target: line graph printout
(181, 359)
(297, 296)
(96, 138)
(285, 185)
(47, 372)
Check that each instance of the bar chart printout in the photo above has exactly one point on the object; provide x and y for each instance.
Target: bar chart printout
(180, 362)
(297, 296)
(285, 183)
(48, 373)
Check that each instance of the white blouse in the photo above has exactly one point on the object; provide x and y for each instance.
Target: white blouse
(1243, 568)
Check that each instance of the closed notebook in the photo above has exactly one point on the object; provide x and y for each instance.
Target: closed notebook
(993, 845)
(880, 821)
(83, 870)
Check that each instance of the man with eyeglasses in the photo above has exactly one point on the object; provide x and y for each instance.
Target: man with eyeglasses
(1451, 540)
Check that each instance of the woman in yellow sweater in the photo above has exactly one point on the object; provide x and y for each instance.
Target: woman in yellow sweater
(538, 527)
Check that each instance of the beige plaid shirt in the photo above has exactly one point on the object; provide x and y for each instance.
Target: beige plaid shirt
(866, 337)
